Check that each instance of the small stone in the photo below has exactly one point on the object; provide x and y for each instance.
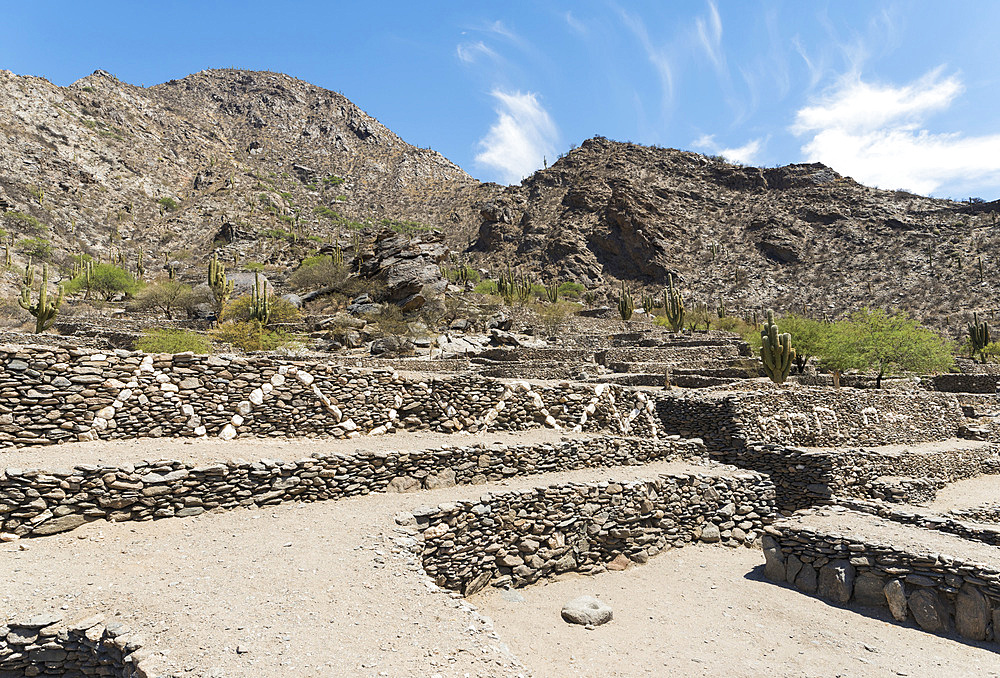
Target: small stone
(896, 597)
(710, 534)
(619, 563)
(586, 610)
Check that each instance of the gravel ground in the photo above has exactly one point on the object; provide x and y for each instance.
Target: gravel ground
(706, 611)
(198, 450)
(305, 589)
(969, 493)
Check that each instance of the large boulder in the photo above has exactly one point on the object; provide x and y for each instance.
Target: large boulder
(409, 267)
(836, 581)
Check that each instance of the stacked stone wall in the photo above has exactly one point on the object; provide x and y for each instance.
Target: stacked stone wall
(45, 645)
(41, 502)
(520, 537)
(941, 593)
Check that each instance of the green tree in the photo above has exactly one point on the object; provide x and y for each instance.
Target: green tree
(807, 337)
(165, 296)
(108, 280)
(885, 344)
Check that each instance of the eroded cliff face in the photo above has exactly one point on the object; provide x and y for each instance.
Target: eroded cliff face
(789, 237)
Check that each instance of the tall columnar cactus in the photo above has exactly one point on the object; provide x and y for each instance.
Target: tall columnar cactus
(337, 257)
(648, 303)
(8, 260)
(46, 309)
(552, 292)
(222, 287)
(260, 302)
(28, 277)
(979, 336)
(776, 351)
(673, 304)
(140, 267)
(626, 304)
(720, 308)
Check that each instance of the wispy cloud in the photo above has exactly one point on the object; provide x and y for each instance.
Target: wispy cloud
(521, 137)
(469, 52)
(877, 134)
(575, 24)
(710, 35)
(657, 56)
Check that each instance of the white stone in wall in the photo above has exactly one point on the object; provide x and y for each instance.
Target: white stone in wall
(278, 380)
(257, 396)
(162, 378)
(86, 436)
(228, 432)
(187, 410)
(98, 357)
(106, 412)
(125, 394)
(200, 431)
(451, 411)
(114, 383)
(244, 407)
(100, 423)
(305, 377)
(348, 425)
(168, 388)
(335, 411)
(237, 420)
(377, 431)
(393, 415)
(590, 408)
(282, 370)
(500, 405)
(266, 388)
(551, 422)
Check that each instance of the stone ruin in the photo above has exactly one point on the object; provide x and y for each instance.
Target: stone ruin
(833, 486)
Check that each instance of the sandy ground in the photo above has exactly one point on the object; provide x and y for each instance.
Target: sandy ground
(969, 493)
(319, 589)
(706, 611)
(201, 451)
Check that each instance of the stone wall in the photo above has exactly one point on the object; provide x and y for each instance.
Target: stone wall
(952, 524)
(46, 645)
(41, 502)
(50, 394)
(520, 537)
(965, 383)
(939, 592)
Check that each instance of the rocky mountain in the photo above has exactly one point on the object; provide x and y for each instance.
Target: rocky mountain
(263, 167)
(261, 159)
(794, 237)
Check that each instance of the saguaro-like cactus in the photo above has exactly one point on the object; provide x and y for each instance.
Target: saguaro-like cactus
(46, 309)
(776, 351)
(673, 304)
(222, 287)
(979, 336)
(260, 302)
(626, 304)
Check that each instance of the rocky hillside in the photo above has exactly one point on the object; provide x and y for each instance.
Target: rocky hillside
(246, 159)
(794, 237)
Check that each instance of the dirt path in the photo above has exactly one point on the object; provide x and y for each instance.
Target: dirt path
(706, 611)
(205, 450)
(969, 493)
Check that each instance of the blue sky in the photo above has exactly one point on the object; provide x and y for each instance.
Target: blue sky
(895, 94)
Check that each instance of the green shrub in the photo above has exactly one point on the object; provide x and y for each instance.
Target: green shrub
(25, 221)
(253, 266)
(571, 289)
(251, 336)
(282, 311)
(37, 248)
(277, 234)
(169, 204)
(317, 271)
(173, 341)
(486, 287)
(108, 280)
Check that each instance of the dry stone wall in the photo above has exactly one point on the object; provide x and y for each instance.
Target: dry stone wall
(46, 645)
(939, 592)
(520, 537)
(41, 502)
(50, 394)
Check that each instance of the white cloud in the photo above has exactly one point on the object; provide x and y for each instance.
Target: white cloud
(875, 134)
(575, 24)
(744, 154)
(522, 135)
(470, 51)
(657, 57)
(710, 35)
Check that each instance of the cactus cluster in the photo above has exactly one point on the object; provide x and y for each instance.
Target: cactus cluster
(513, 286)
(552, 292)
(260, 302)
(673, 305)
(337, 256)
(648, 303)
(45, 309)
(776, 351)
(222, 287)
(979, 336)
(626, 304)
(8, 260)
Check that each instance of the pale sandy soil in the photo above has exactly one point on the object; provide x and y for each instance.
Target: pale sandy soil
(706, 611)
(969, 493)
(308, 589)
(935, 446)
(201, 451)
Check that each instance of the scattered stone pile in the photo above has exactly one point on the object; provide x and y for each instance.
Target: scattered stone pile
(41, 502)
(520, 537)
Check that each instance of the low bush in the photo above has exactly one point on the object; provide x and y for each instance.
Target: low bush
(251, 336)
(282, 311)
